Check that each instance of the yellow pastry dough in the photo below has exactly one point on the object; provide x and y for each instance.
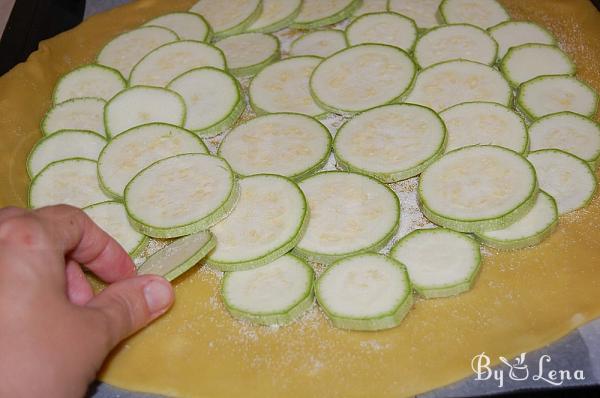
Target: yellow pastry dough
(523, 300)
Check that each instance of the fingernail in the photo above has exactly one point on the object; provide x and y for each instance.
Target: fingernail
(158, 296)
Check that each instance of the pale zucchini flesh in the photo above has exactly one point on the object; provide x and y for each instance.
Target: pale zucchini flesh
(362, 77)
(440, 262)
(71, 181)
(482, 13)
(567, 178)
(369, 6)
(288, 144)
(179, 256)
(231, 18)
(187, 25)
(458, 41)
(527, 61)
(89, 81)
(267, 222)
(484, 123)
(443, 85)
(365, 292)
(383, 28)
(62, 145)
(515, 33)
(533, 228)
(317, 13)
(391, 142)
(181, 195)
(247, 53)
(75, 114)
(284, 87)
(350, 214)
(423, 12)
(320, 43)
(135, 149)
(142, 105)
(273, 294)
(276, 15)
(112, 218)
(477, 188)
(167, 62)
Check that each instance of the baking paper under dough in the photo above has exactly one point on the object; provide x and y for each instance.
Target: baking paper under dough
(521, 301)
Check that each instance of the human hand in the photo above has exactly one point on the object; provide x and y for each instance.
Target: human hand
(54, 333)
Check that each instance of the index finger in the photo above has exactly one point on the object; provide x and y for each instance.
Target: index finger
(79, 238)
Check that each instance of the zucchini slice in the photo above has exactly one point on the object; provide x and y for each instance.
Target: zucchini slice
(369, 6)
(64, 144)
(231, 18)
(569, 132)
(362, 77)
(390, 142)
(126, 50)
(179, 256)
(460, 41)
(276, 15)
(551, 94)
(284, 87)
(142, 105)
(75, 114)
(440, 262)
(134, 150)
(484, 123)
(383, 28)
(213, 100)
(318, 13)
(449, 83)
(165, 63)
(187, 25)
(112, 218)
(423, 12)
(524, 62)
(365, 292)
(321, 43)
(477, 189)
(273, 294)
(268, 221)
(247, 53)
(350, 214)
(71, 181)
(567, 178)
(89, 81)
(515, 33)
(482, 13)
(287, 144)
(533, 228)
(181, 195)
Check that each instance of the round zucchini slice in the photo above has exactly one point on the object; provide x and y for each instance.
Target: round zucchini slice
(484, 123)
(284, 87)
(89, 81)
(167, 62)
(75, 114)
(369, 6)
(524, 62)
(449, 83)
(187, 25)
(383, 28)
(181, 195)
(134, 150)
(231, 18)
(440, 262)
(321, 43)
(391, 142)
(268, 222)
(276, 15)
(482, 13)
(288, 144)
(533, 228)
(567, 178)
(365, 292)
(515, 33)
(362, 77)
(274, 294)
(247, 53)
(318, 13)
(112, 218)
(350, 214)
(477, 189)
(423, 12)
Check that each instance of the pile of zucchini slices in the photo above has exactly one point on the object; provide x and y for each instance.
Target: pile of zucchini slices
(278, 161)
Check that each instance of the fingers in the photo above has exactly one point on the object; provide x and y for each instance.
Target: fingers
(10, 212)
(79, 290)
(126, 306)
(86, 243)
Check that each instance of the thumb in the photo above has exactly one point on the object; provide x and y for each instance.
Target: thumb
(130, 304)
